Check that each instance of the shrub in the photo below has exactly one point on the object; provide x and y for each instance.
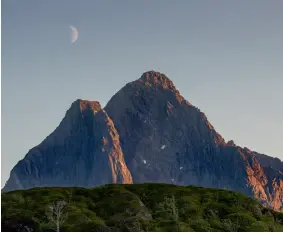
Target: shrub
(167, 209)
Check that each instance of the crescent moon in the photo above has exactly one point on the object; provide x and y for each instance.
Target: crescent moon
(74, 34)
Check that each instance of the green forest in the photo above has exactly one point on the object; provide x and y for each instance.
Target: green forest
(135, 207)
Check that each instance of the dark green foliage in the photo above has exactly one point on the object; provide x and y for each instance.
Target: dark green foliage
(167, 209)
(138, 207)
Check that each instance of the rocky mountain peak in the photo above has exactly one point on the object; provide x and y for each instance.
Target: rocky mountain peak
(231, 143)
(81, 105)
(154, 78)
(84, 150)
(79, 110)
(94, 105)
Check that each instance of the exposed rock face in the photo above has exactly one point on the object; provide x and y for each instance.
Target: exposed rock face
(83, 151)
(160, 136)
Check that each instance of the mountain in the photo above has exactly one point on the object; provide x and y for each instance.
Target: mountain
(136, 208)
(84, 150)
(147, 132)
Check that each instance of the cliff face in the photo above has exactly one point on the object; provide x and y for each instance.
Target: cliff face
(84, 150)
(147, 133)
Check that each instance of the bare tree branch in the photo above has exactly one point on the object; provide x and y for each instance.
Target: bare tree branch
(56, 213)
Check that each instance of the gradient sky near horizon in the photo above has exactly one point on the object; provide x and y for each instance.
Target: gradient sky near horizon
(225, 57)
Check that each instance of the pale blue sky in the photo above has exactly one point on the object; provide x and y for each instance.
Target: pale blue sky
(225, 57)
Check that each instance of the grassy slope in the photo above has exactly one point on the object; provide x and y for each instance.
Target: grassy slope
(139, 207)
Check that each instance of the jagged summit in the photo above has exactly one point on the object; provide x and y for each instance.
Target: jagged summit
(79, 110)
(83, 105)
(153, 73)
(231, 143)
(156, 78)
(84, 150)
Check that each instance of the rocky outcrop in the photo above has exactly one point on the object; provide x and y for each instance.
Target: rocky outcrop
(147, 132)
(84, 150)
